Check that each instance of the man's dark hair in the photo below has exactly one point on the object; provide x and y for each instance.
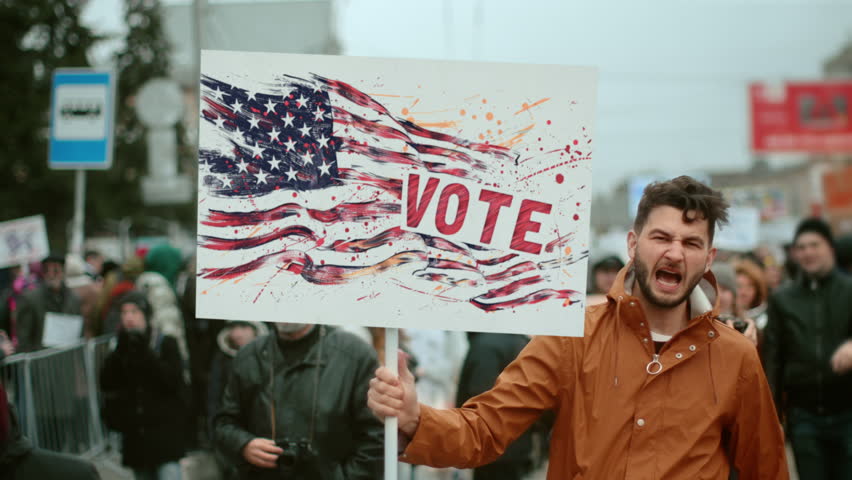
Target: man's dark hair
(696, 200)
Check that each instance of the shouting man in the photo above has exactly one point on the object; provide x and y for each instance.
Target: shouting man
(656, 389)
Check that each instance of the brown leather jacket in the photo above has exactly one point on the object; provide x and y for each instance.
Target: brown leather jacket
(709, 409)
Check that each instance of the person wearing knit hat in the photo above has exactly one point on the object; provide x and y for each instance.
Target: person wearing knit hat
(807, 351)
(143, 387)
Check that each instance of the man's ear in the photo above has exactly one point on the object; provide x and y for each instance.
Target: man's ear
(632, 241)
(711, 255)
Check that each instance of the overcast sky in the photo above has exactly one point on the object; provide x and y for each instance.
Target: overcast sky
(673, 74)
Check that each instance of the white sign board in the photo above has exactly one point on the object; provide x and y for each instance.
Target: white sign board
(23, 241)
(394, 193)
(61, 329)
(742, 233)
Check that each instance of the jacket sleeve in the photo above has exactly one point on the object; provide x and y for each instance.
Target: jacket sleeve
(366, 460)
(164, 371)
(112, 373)
(479, 431)
(757, 441)
(773, 353)
(230, 434)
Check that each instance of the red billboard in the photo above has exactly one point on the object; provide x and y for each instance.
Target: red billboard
(806, 117)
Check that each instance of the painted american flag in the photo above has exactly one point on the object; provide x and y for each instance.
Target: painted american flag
(304, 180)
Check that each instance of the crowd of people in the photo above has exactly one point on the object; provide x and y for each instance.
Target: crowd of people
(658, 365)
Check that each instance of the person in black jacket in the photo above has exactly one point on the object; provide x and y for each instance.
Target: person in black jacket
(294, 407)
(808, 356)
(488, 354)
(143, 388)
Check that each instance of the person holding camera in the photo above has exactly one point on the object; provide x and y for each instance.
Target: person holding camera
(293, 407)
(729, 311)
(142, 384)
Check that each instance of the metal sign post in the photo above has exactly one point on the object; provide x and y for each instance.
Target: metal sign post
(81, 131)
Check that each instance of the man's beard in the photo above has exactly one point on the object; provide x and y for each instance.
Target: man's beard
(643, 278)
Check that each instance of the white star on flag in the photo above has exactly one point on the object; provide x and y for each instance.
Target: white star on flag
(220, 122)
(251, 94)
(270, 106)
(217, 93)
(323, 141)
(253, 121)
(324, 168)
(305, 129)
(243, 166)
(261, 176)
(303, 102)
(318, 114)
(274, 135)
(273, 164)
(226, 181)
(308, 158)
(237, 106)
(290, 144)
(288, 120)
(291, 174)
(256, 150)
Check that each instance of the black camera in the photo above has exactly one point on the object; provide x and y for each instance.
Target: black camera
(739, 324)
(297, 458)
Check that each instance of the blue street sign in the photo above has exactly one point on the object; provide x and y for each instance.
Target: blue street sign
(81, 119)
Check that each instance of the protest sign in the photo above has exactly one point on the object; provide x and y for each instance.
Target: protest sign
(394, 193)
(61, 329)
(23, 241)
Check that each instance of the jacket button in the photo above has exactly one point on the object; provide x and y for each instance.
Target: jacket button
(645, 339)
(641, 324)
(620, 297)
(692, 348)
(711, 334)
(640, 422)
(632, 303)
(678, 355)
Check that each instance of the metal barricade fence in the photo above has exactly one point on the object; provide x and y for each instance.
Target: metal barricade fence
(56, 394)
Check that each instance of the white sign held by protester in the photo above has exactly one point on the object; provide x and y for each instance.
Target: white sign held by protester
(394, 193)
(23, 241)
(742, 233)
(61, 329)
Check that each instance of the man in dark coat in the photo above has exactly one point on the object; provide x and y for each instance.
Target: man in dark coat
(144, 393)
(808, 356)
(52, 296)
(294, 407)
(19, 460)
(488, 354)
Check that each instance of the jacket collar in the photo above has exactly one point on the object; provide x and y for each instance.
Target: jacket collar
(703, 301)
(813, 282)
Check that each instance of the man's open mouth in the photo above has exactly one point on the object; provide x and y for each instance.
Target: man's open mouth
(668, 278)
